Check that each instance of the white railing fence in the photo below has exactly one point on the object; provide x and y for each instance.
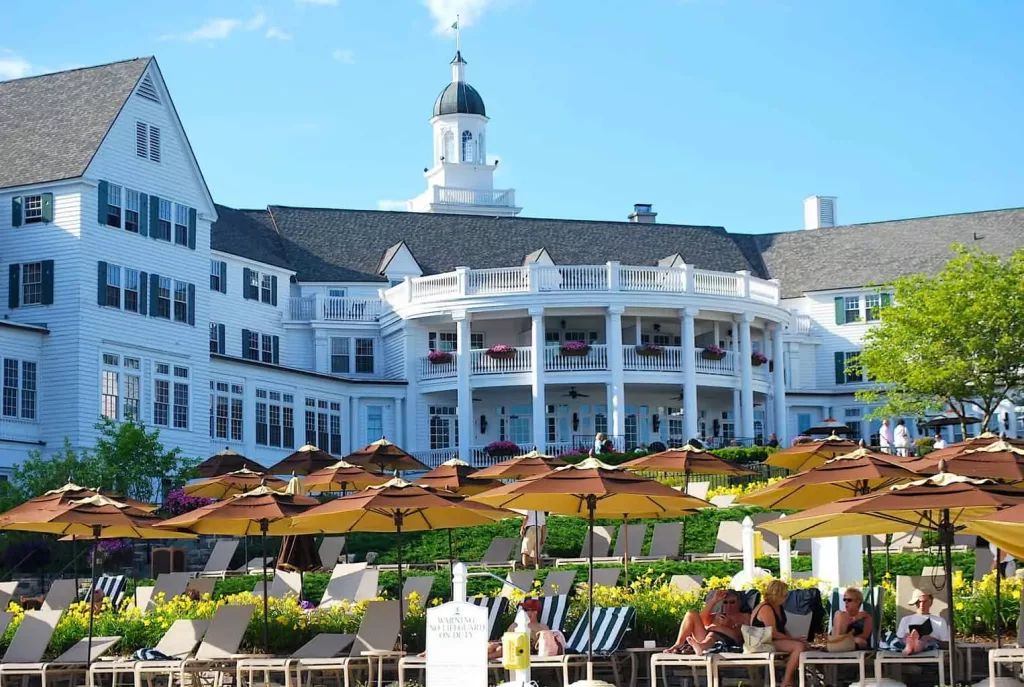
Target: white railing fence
(432, 370)
(595, 359)
(482, 363)
(726, 366)
(302, 309)
(351, 309)
(453, 195)
(668, 360)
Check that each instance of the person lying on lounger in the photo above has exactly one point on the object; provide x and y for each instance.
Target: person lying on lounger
(851, 618)
(922, 631)
(700, 631)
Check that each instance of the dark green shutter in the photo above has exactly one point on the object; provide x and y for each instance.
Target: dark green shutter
(16, 210)
(154, 218)
(192, 304)
(143, 214)
(276, 350)
(223, 277)
(143, 293)
(245, 343)
(840, 367)
(101, 283)
(13, 280)
(47, 199)
(273, 290)
(246, 277)
(840, 310)
(192, 228)
(47, 282)
(886, 300)
(221, 335)
(154, 290)
(101, 203)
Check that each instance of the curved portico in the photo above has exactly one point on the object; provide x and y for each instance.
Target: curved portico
(646, 372)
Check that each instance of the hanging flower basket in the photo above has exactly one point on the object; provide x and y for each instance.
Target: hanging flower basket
(501, 352)
(712, 353)
(502, 449)
(574, 348)
(440, 357)
(649, 350)
(758, 359)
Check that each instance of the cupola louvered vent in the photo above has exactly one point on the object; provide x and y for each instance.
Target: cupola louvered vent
(147, 89)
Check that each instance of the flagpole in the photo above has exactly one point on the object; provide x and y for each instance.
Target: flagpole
(458, 35)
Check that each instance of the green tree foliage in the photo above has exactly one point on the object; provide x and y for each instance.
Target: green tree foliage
(953, 339)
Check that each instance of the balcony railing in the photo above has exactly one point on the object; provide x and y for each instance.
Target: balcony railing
(668, 360)
(802, 325)
(439, 370)
(452, 195)
(484, 364)
(726, 366)
(595, 359)
(612, 277)
(334, 309)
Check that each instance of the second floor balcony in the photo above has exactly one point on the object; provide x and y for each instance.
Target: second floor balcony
(318, 308)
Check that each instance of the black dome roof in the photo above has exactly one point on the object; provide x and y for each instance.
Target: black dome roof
(459, 97)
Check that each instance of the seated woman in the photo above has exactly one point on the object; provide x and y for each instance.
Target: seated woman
(852, 619)
(770, 613)
(700, 631)
(532, 608)
(922, 631)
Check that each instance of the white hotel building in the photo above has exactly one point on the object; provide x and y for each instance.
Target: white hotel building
(129, 291)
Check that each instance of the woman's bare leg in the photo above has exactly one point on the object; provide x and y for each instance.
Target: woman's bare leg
(794, 649)
(692, 626)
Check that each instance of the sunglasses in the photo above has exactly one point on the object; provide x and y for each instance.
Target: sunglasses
(729, 602)
(850, 601)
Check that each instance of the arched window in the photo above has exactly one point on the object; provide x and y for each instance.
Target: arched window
(448, 147)
(481, 151)
(467, 146)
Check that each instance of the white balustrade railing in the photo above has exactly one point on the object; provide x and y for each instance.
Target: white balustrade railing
(764, 291)
(484, 364)
(669, 359)
(302, 309)
(351, 309)
(801, 325)
(725, 366)
(453, 195)
(435, 285)
(497, 280)
(572, 278)
(434, 457)
(595, 359)
(658, 279)
(433, 370)
(716, 283)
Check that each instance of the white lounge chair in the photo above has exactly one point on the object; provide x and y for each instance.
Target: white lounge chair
(62, 594)
(420, 585)
(180, 640)
(285, 582)
(728, 543)
(330, 551)
(201, 585)
(687, 583)
(67, 666)
(7, 590)
(602, 545)
(558, 582)
(905, 587)
(350, 582)
(635, 539)
(699, 489)
(219, 562)
(857, 658)
(378, 633)
(168, 586)
(610, 627)
(518, 581)
(664, 542)
(261, 671)
(607, 577)
(1013, 655)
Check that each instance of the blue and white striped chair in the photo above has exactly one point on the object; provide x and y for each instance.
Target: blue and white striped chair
(112, 586)
(554, 610)
(610, 627)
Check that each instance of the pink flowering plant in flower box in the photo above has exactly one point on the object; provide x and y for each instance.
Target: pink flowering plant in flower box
(649, 350)
(578, 348)
(502, 449)
(757, 358)
(440, 357)
(501, 351)
(713, 352)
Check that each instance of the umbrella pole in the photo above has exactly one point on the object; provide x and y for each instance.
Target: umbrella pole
(401, 600)
(999, 600)
(266, 584)
(591, 505)
(946, 540)
(625, 556)
(74, 563)
(92, 593)
(451, 564)
(686, 490)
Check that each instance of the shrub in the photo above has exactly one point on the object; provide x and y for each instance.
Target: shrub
(178, 502)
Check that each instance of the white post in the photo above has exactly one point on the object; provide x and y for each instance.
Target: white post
(459, 576)
(785, 558)
(412, 372)
(613, 275)
(746, 377)
(522, 677)
(353, 438)
(617, 401)
(838, 561)
(689, 374)
(465, 393)
(779, 387)
(537, 344)
(748, 548)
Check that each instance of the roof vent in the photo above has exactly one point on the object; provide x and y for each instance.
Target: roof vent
(819, 211)
(147, 89)
(642, 214)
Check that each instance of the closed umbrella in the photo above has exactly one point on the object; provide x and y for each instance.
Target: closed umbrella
(231, 483)
(529, 464)
(306, 459)
(385, 456)
(811, 453)
(341, 476)
(262, 510)
(395, 506)
(943, 503)
(226, 461)
(593, 489)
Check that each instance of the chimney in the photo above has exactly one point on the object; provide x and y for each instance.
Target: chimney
(642, 214)
(819, 211)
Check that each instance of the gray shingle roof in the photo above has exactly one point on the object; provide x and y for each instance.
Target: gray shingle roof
(872, 254)
(248, 234)
(51, 125)
(347, 245)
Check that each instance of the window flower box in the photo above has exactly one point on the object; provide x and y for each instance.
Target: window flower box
(574, 348)
(502, 449)
(712, 353)
(501, 352)
(758, 359)
(440, 357)
(649, 350)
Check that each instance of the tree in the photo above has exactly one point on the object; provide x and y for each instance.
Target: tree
(955, 339)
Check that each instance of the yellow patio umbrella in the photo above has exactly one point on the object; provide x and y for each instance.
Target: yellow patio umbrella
(341, 476)
(231, 483)
(1003, 528)
(811, 453)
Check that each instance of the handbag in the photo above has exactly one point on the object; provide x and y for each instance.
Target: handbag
(841, 644)
(757, 640)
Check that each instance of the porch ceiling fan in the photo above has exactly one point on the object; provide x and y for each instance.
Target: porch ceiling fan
(575, 394)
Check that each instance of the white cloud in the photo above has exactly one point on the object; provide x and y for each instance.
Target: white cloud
(343, 56)
(393, 205)
(275, 33)
(444, 11)
(12, 66)
(317, 2)
(258, 20)
(219, 28)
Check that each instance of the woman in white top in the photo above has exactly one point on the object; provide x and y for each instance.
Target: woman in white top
(939, 441)
(885, 436)
(901, 437)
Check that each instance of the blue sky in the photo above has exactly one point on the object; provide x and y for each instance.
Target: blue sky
(719, 112)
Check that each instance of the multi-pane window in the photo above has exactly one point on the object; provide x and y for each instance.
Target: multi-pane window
(171, 396)
(132, 407)
(163, 220)
(476, 340)
(28, 390)
(180, 301)
(120, 387)
(214, 275)
(163, 298)
(113, 286)
(10, 401)
(519, 430)
(552, 338)
(114, 205)
(728, 425)
(131, 210)
(675, 423)
(214, 338)
(364, 355)
(109, 388)
(275, 419)
(872, 306)
(19, 389)
(854, 374)
(181, 225)
(131, 290)
(374, 423)
(252, 346)
(442, 421)
(33, 208)
(254, 284)
(600, 423)
(323, 424)
(267, 348)
(180, 397)
(587, 337)
(852, 308)
(852, 417)
(226, 410)
(339, 355)
(266, 288)
(442, 341)
(32, 283)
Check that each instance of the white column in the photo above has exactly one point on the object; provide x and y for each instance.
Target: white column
(465, 393)
(349, 431)
(355, 438)
(689, 354)
(746, 376)
(617, 395)
(400, 423)
(779, 386)
(537, 379)
(412, 394)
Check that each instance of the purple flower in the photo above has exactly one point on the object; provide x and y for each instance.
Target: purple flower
(502, 448)
(177, 502)
(307, 605)
(575, 346)
(715, 349)
(440, 356)
(501, 349)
